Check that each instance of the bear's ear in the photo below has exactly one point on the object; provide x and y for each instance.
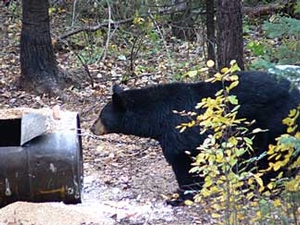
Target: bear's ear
(117, 89)
(117, 99)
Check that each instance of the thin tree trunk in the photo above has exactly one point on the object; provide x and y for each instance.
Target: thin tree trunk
(39, 71)
(210, 29)
(229, 33)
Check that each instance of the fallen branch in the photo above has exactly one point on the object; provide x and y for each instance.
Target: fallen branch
(263, 10)
(94, 28)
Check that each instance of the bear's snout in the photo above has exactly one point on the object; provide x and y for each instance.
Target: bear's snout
(98, 128)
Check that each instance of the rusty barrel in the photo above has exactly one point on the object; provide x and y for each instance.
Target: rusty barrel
(48, 166)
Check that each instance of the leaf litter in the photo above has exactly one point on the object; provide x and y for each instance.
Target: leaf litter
(125, 177)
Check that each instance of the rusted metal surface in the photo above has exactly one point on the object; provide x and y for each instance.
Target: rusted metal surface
(46, 168)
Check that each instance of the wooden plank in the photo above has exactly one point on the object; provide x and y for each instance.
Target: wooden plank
(32, 126)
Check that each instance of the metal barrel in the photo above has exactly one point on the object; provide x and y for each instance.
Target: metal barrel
(46, 168)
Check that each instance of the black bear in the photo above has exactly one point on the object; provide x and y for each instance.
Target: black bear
(149, 112)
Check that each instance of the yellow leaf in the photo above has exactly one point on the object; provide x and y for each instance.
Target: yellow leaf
(224, 70)
(164, 196)
(234, 66)
(217, 77)
(258, 214)
(138, 20)
(210, 80)
(61, 10)
(219, 157)
(208, 181)
(188, 202)
(270, 185)
(261, 189)
(175, 195)
(233, 62)
(233, 85)
(210, 63)
(51, 10)
(240, 216)
(233, 100)
(182, 129)
(248, 140)
(205, 192)
(277, 157)
(288, 121)
(292, 112)
(192, 73)
(277, 203)
(254, 203)
(233, 141)
(220, 92)
(215, 215)
(250, 195)
(293, 185)
(191, 123)
(200, 104)
(259, 180)
(277, 165)
(271, 150)
(292, 129)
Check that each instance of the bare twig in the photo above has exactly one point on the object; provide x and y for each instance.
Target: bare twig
(133, 54)
(108, 32)
(164, 41)
(73, 13)
(94, 28)
(86, 68)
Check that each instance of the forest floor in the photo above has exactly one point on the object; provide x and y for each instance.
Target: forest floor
(125, 177)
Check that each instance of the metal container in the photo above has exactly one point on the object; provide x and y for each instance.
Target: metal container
(48, 167)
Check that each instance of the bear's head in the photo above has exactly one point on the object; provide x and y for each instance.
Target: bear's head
(141, 112)
(110, 118)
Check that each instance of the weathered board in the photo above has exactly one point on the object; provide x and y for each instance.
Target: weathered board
(20, 125)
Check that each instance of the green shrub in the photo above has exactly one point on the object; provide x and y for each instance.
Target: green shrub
(237, 195)
(282, 45)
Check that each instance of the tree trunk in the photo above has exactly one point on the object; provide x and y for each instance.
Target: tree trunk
(210, 30)
(229, 33)
(39, 71)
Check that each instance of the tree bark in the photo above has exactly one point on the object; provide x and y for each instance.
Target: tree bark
(229, 33)
(210, 30)
(39, 70)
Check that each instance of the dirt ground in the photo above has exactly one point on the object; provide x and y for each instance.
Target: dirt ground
(124, 180)
(125, 177)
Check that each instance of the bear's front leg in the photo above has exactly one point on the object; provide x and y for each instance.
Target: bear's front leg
(189, 183)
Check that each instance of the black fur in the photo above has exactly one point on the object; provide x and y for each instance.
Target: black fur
(148, 112)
